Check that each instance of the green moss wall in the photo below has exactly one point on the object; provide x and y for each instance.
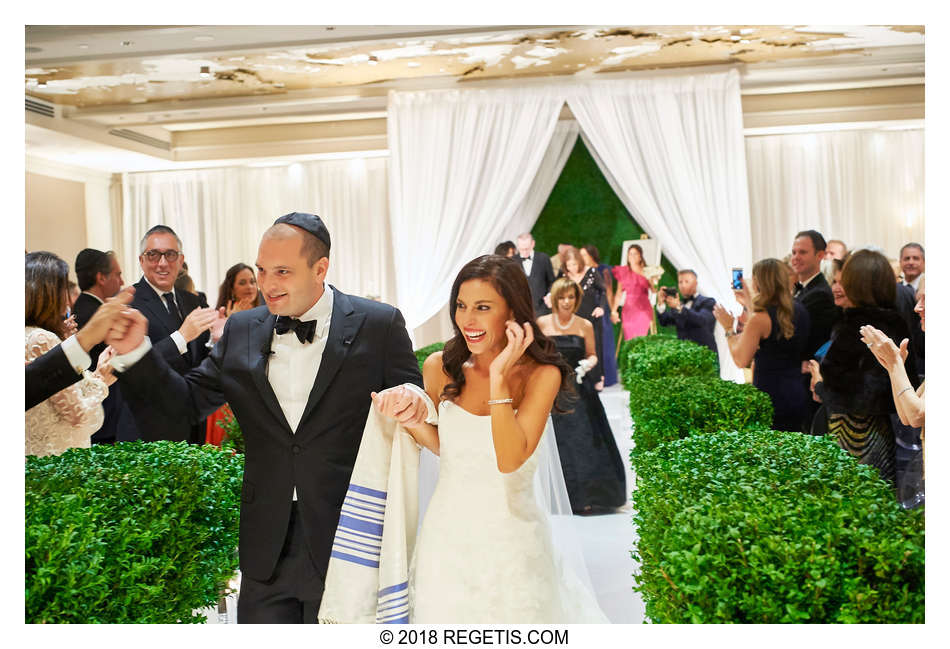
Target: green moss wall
(583, 209)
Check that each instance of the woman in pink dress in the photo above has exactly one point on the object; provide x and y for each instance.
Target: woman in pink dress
(637, 310)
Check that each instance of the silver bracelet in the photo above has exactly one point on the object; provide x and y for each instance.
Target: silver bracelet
(898, 394)
(492, 402)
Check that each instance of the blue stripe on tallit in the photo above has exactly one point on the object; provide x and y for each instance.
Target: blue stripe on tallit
(366, 502)
(367, 491)
(359, 525)
(396, 603)
(401, 617)
(354, 559)
(376, 548)
(393, 589)
(337, 544)
(367, 509)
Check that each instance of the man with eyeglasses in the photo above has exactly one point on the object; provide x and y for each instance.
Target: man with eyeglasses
(177, 326)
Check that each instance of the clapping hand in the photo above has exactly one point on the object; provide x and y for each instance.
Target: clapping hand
(519, 339)
(197, 322)
(402, 404)
(885, 351)
(815, 370)
(240, 305)
(70, 324)
(597, 312)
(723, 317)
(127, 331)
(217, 327)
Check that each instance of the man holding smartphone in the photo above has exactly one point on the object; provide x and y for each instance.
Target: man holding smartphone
(690, 312)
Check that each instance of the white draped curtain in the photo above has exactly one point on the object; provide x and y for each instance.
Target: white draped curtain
(461, 164)
(862, 187)
(220, 214)
(672, 149)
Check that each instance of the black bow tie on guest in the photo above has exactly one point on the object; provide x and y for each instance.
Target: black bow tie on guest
(305, 330)
(799, 287)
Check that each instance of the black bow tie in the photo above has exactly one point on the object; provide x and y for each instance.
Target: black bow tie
(304, 330)
(799, 287)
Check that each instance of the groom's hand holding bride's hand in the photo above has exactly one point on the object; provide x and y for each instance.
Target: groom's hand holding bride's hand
(401, 404)
(128, 331)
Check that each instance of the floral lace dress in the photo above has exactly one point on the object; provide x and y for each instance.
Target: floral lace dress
(68, 418)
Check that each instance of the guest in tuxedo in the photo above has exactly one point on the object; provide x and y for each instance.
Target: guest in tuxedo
(506, 249)
(299, 375)
(100, 278)
(814, 293)
(177, 324)
(912, 264)
(691, 312)
(537, 266)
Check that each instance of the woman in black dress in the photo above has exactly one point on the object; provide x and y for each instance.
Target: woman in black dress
(774, 337)
(591, 304)
(593, 469)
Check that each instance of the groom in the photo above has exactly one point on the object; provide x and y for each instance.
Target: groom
(298, 375)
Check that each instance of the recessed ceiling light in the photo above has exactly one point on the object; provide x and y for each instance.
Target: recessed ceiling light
(204, 38)
(414, 64)
(204, 72)
(83, 46)
(41, 82)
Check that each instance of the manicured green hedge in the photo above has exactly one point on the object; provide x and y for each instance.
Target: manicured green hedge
(424, 352)
(136, 532)
(673, 407)
(653, 357)
(766, 527)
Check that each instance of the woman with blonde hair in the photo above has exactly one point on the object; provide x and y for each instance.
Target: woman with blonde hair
(593, 470)
(774, 337)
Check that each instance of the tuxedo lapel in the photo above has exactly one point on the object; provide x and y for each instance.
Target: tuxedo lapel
(258, 353)
(149, 301)
(344, 324)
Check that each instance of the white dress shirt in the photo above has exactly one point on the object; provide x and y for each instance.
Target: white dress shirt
(526, 264)
(176, 335)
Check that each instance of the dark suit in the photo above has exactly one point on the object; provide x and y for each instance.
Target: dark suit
(905, 302)
(695, 322)
(47, 375)
(367, 349)
(819, 301)
(113, 408)
(540, 280)
(161, 325)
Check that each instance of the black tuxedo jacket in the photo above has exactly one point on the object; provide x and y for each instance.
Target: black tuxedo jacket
(47, 375)
(695, 323)
(367, 349)
(540, 280)
(161, 325)
(820, 304)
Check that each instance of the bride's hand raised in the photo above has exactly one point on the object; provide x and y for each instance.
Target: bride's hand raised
(519, 339)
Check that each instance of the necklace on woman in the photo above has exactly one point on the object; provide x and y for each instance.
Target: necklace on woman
(557, 322)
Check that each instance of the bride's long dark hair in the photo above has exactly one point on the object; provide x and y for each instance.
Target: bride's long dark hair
(508, 278)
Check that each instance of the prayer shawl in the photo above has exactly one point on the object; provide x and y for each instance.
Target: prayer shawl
(368, 574)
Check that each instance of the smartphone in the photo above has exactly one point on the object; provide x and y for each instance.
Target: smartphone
(737, 279)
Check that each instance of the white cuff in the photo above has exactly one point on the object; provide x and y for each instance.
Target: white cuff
(432, 416)
(661, 306)
(76, 355)
(179, 342)
(124, 361)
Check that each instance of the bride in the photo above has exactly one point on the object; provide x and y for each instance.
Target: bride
(485, 552)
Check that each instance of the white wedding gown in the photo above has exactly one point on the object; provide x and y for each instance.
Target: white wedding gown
(485, 552)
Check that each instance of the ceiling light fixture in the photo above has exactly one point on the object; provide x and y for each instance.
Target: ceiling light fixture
(83, 46)
(204, 38)
(205, 72)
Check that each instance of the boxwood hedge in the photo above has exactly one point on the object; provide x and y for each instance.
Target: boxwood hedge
(765, 527)
(424, 352)
(653, 357)
(136, 532)
(669, 408)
